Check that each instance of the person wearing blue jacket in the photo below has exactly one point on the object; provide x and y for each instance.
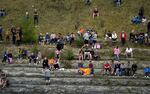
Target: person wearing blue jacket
(147, 71)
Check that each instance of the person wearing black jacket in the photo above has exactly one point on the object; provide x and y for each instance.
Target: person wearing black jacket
(134, 69)
(45, 63)
(32, 57)
(148, 28)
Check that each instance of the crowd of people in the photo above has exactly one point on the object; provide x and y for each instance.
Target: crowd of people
(15, 34)
(88, 52)
(52, 38)
(120, 69)
(3, 80)
(133, 37)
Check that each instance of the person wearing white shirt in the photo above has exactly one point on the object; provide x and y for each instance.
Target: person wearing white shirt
(86, 38)
(129, 52)
(114, 36)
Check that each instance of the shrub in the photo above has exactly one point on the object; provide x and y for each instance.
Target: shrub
(29, 34)
(67, 54)
(51, 53)
(79, 42)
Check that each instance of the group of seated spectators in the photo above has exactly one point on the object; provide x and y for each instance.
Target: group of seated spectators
(22, 54)
(140, 18)
(120, 69)
(89, 36)
(2, 12)
(52, 38)
(128, 53)
(135, 37)
(3, 80)
(139, 37)
(88, 52)
(70, 38)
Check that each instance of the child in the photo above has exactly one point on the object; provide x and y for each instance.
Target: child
(47, 76)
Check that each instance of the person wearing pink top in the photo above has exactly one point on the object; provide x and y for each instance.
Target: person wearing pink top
(117, 52)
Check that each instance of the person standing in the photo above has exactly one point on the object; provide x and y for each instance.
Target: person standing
(123, 37)
(95, 13)
(17, 38)
(141, 12)
(36, 17)
(1, 33)
(117, 53)
(47, 76)
(148, 28)
(134, 69)
(13, 31)
(45, 63)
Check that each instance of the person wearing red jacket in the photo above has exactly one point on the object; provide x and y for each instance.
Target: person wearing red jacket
(107, 68)
(123, 37)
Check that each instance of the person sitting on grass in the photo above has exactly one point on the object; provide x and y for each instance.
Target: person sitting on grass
(136, 20)
(95, 13)
(132, 36)
(52, 38)
(108, 35)
(129, 52)
(47, 38)
(40, 39)
(114, 37)
(47, 76)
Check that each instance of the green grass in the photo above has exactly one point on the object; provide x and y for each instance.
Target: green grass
(63, 15)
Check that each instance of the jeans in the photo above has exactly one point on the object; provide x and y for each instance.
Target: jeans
(117, 57)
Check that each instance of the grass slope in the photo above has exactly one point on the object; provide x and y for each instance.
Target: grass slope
(63, 15)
